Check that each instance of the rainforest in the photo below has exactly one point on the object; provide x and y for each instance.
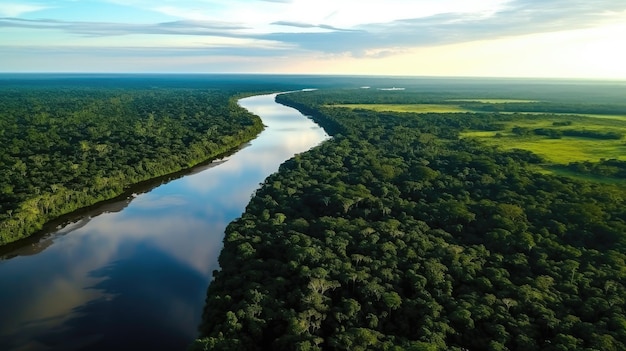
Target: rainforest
(440, 214)
(67, 147)
(455, 225)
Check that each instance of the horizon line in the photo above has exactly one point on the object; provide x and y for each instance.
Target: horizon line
(50, 73)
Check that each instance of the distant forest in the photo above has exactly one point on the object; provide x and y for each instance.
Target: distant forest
(67, 146)
(398, 234)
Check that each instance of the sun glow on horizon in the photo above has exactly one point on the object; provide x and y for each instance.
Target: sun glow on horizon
(583, 53)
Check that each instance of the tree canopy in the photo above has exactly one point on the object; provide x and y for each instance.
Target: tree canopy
(397, 234)
(67, 147)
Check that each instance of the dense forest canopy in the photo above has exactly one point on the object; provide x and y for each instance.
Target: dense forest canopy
(67, 144)
(422, 231)
(400, 234)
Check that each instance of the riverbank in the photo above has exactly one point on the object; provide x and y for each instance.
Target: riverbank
(51, 199)
(36, 242)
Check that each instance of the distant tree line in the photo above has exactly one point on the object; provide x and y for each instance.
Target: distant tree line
(580, 104)
(548, 107)
(559, 133)
(609, 168)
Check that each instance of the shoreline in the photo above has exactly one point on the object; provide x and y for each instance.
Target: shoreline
(114, 204)
(57, 222)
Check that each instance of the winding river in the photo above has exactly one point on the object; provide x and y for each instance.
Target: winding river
(133, 273)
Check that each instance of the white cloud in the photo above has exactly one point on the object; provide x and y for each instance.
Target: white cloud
(195, 13)
(350, 13)
(14, 10)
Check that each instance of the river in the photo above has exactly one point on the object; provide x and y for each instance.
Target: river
(133, 273)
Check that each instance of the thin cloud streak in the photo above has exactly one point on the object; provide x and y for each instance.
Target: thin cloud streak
(308, 25)
(156, 52)
(15, 10)
(203, 28)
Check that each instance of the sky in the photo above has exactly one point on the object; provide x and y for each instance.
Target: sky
(487, 38)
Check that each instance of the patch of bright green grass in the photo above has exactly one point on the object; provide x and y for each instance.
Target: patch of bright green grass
(566, 150)
(557, 153)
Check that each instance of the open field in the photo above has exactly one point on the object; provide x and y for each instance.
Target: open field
(564, 148)
(558, 151)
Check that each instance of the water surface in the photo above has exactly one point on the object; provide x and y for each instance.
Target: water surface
(134, 273)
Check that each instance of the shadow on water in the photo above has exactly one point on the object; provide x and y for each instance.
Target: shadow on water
(115, 321)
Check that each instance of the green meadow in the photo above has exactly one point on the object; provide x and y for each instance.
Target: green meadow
(563, 147)
(560, 140)
(556, 151)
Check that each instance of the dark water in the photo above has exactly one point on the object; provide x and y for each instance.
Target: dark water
(133, 273)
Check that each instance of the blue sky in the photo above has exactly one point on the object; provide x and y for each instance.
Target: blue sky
(511, 38)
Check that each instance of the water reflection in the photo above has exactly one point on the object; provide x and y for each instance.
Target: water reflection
(136, 274)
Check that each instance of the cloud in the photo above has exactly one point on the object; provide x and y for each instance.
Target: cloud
(373, 40)
(308, 25)
(14, 10)
(188, 27)
(215, 52)
(151, 202)
(519, 17)
(186, 13)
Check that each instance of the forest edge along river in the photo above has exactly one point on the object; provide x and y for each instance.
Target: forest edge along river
(133, 273)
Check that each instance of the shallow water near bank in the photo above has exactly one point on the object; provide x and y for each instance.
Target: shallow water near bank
(134, 273)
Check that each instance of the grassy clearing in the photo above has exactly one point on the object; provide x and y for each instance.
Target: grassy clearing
(415, 108)
(563, 150)
(566, 150)
(559, 152)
